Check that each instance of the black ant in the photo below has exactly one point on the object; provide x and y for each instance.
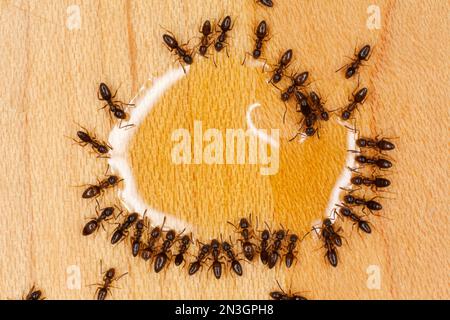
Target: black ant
(98, 146)
(34, 294)
(94, 223)
(247, 246)
(225, 26)
(261, 33)
(115, 106)
(298, 80)
(352, 68)
(310, 116)
(332, 240)
(215, 252)
(362, 224)
(149, 249)
(290, 255)
(162, 257)
(274, 253)
(380, 145)
(95, 190)
(282, 65)
(376, 182)
(267, 3)
(281, 295)
(172, 44)
(184, 246)
(381, 163)
(318, 104)
(205, 42)
(370, 204)
(235, 264)
(202, 254)
(108, 278)
(264, 246)
(136, 242)
(358, 98)
(122, 229)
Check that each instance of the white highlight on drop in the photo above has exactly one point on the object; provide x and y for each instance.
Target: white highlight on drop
(119, 139)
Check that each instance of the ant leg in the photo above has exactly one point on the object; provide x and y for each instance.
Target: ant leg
(298, 133)
(285, 111)
(245, 57)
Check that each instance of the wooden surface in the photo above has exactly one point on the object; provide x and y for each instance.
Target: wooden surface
(49, 77)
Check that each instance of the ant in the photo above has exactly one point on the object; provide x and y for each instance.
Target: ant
(281, 295)
(94, 223)
(122, 229)
(264, 246)
(274, 254)
(202, 254)
(155, 234)
(370, 204)
(310, 116)
(215, 252)
(185, 243)
(247, 246)
(235, 264)
(267, 3)
(161, 258)
(362, 224)
(95, 190)
(282, 65)
(108, 278)
(225, 26)
(358, 98)
(352, 68)
(206, 31)
(34, 294)
(381, 163)
(298, 81)
(261, 33)
(136, 243)
(115, 106)
(376, 183)
(86, 138)
(332, 240)
(172, 44)
(318, 104)
(290, 255)
(380, 145)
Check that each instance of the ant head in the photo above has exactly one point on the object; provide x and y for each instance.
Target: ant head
(215, 244)
(187, 59)
(327, 223)
(265, 235)
(170, 235)
(110, 273)
(310, 131)
(113, 180)
(243, 223)
(256, 53)
(324, 115)
(156, 232)
(186, 239)
(293, 238)
(102, 149)
(280, 234)
(206, 28)
(226, 246)
(120, 114)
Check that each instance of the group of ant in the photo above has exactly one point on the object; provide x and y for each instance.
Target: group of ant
(330, 235)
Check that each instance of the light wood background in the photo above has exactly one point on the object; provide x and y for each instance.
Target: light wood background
(48, 80)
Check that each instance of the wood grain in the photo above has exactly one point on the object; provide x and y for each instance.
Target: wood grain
(49, 78)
